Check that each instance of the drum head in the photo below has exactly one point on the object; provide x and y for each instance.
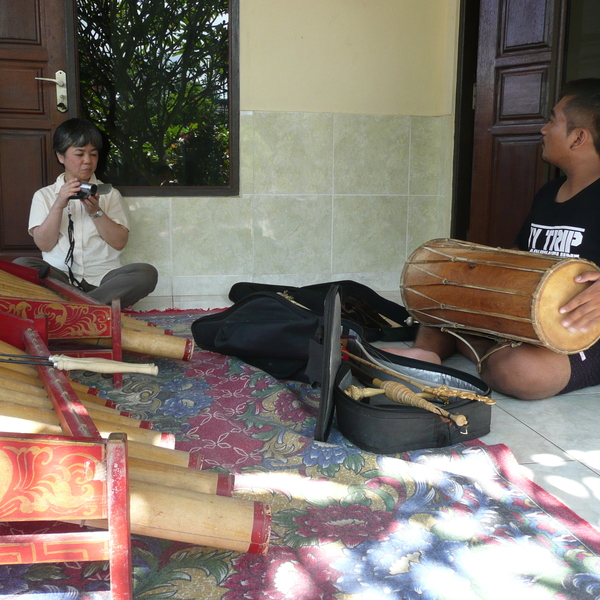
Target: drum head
(555, 290)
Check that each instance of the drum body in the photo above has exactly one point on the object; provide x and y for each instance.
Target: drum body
(506, 294)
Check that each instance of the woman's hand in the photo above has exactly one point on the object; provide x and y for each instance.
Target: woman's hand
(46, 235)
(69, 188)
(91, 204)
(583, 311)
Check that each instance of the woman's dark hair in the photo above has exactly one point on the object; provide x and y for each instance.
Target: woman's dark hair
(583, 108)
(78, 133)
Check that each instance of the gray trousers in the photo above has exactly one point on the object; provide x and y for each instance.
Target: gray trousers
(130, 283)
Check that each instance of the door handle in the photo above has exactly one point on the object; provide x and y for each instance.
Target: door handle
(62, 103)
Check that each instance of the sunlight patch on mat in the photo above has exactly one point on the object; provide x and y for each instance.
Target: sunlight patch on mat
(292, 485)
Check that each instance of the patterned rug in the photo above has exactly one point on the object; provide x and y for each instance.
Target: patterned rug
(457, 523)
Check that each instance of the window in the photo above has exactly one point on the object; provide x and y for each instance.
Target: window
(160, 79)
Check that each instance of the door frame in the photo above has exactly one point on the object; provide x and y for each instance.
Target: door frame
(464, 123)
(72, 63)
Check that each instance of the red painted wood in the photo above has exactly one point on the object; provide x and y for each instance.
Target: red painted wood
(118, 517)
(31, 469)
(33, 465)
(66, 320)
(54, 547)
(117, 346)
(71, 413)
(26, 273)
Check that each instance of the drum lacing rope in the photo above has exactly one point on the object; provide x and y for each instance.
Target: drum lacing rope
(501, 343)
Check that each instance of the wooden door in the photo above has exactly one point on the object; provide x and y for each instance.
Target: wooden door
(32, 44)
(519, 53)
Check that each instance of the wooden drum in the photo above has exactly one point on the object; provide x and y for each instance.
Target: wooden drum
(505, 294)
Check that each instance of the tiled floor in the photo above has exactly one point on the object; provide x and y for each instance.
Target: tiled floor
(556, 441)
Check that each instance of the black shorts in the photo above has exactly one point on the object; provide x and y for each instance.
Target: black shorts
(585, 369)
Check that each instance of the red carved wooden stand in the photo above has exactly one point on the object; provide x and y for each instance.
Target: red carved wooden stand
(79, 316)
(64, 478)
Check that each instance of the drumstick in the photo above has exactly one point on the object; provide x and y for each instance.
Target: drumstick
(101, 365)
(70, 363)
(400, 394)
(441, 392)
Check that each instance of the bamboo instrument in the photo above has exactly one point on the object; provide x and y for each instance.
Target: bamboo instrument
(17, 419)
(16, 287)
(10, 383)
(195, 518)
(205, 482)
(141, 325)
(83, 392)
(7, 371)
(40, 420)
(136, 335)
(97, 412)
(148, 342)
(87, 400)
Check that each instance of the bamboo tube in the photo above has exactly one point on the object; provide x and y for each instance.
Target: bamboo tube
(18, 376)
(6, 348)
(21, 386)
(205, 482)
(14, 419)
(22, 369)
(147, 342)
(195, 518)
(108, 415)
(47, 419)
(105, 405)
(82, 387)
(97, 400)
(8, 375)
(140, 325)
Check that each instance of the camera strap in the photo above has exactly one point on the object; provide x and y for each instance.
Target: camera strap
(69, 257)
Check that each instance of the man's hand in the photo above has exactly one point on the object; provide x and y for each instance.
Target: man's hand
(583, 311)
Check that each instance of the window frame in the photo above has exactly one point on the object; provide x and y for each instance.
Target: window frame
(233, 188)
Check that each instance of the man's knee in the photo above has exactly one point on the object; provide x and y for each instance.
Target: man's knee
(526, 372)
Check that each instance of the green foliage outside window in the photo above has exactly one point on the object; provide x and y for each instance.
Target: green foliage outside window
(154, 76)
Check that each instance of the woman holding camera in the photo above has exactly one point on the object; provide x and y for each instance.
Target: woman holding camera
(81, 234)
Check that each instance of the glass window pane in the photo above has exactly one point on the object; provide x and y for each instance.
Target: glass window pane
(154, 76)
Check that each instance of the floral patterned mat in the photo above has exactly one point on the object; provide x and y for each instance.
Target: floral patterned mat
(455, 523)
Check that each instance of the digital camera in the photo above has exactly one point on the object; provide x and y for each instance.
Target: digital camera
(91, 189)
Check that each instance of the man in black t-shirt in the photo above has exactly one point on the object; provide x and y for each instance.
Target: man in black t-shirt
(563, 229)
(564, 221)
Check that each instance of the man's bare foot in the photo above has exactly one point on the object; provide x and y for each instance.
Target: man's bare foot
(417, 353)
